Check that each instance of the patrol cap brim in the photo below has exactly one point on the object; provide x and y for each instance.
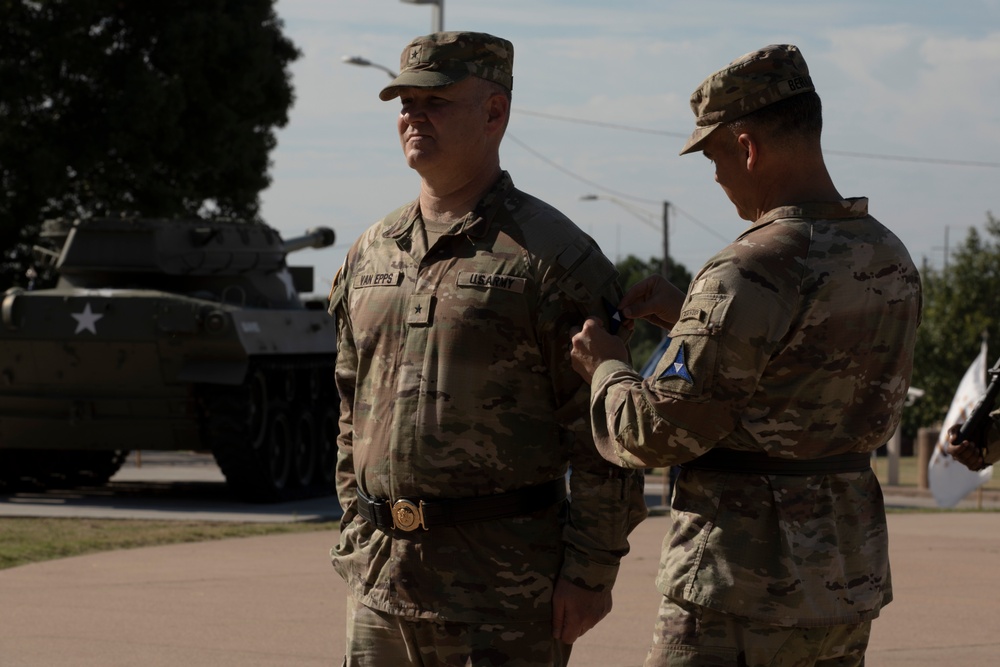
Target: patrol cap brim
(696, 141)
(421, 79)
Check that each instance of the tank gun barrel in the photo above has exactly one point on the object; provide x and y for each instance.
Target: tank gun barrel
(317, 237)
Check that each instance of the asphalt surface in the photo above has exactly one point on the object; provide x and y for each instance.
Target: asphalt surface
(276, 600)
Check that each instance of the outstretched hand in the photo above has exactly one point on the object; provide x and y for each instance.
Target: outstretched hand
(965, 452)
(593, 345)
(655, 300)
(576, 610)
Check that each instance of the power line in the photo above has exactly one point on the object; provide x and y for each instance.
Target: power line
(700, 224)
(569, 173)
(665, 133)
(644, 216)
(597, 123)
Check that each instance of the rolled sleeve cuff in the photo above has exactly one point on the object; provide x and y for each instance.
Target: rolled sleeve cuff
(586, 573)
(608, 369)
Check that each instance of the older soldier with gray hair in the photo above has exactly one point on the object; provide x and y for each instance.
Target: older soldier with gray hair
(460, 410)
(789, 362)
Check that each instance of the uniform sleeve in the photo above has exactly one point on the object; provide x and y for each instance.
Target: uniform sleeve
(730, 324)
(606, 501)
(346, 379)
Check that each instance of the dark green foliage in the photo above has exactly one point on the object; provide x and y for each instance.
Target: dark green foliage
(961, 304)
(161, 109)
(646, 336)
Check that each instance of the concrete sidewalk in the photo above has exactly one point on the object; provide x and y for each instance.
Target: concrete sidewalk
(276, 601)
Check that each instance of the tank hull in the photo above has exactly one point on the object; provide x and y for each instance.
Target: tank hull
(242, 368)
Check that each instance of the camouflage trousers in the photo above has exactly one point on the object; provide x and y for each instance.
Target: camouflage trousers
(377, 639)
(688, 635)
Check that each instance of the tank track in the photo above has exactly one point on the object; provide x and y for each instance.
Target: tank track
(275, 436)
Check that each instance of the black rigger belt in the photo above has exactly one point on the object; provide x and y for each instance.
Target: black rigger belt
(759, 463)
(409, 514)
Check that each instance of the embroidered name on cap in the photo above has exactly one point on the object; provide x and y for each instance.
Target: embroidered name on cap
(800, 82)
(377, 280)
(492, 280)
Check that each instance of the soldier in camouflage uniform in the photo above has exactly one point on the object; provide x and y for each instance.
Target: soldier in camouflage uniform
(789, 362)
(461, 413)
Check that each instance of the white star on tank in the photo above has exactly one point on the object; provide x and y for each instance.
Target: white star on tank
(86, 320)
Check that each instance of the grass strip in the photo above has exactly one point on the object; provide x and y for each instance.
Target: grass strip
(31, 540)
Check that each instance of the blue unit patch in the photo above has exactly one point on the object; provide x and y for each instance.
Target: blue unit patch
(615, 317)
(678, 368)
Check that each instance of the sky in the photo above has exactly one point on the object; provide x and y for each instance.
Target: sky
(910, 90)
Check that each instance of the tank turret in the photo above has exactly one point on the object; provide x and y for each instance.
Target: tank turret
(167, 334)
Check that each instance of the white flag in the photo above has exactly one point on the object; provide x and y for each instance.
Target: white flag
(951, 481)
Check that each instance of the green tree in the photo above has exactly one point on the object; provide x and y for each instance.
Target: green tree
(159, 108)
(645, 337)
(961, 305)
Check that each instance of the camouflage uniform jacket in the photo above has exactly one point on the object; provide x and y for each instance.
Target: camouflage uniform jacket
(797, 341)
(455, 380)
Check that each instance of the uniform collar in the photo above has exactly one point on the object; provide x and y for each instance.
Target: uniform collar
(845, 209)
(475, 224)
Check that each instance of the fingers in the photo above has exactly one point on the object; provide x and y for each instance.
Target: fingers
(636, 302)
(967, 454)
(576, 610)
(558, 618)
(653, 299)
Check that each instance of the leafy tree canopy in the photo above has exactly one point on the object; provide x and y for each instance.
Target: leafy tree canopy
(155, 108)
(961, 305)
(645, 337)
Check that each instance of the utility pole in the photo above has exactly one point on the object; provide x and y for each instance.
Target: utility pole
(667, 264)
(437, 16)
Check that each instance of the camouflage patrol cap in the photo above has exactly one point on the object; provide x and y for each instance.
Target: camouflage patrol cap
(749, 83)
(444, 58)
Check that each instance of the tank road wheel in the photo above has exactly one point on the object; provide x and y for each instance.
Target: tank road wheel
(278, 451)
(257, 404)
(250, 437)
(326, 469)
(304, 453)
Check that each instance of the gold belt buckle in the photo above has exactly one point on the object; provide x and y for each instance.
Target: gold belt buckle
(408, 515)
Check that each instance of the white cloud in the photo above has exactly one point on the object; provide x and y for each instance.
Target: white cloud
(896, 77)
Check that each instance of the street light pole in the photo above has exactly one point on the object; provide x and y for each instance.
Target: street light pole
(646, 218)
(437, 16)
(666, 240)
(364, 62)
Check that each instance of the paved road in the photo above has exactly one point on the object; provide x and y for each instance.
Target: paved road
(275, 601)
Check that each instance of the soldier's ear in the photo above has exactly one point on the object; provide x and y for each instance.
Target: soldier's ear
(497, 110)
(749, 150)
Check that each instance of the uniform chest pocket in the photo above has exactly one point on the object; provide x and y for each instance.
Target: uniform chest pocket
(482, 301)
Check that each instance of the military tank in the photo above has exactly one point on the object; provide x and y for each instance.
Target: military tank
(169, 335)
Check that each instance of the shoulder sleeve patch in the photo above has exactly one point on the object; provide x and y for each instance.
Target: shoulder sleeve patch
(337, 291)
(589, 277)
(689, 366)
